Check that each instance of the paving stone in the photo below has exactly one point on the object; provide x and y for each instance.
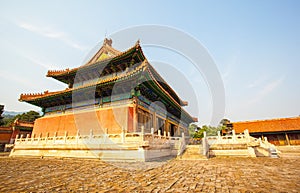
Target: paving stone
(213, 175)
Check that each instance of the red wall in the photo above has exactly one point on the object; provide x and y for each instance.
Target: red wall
(113, 119)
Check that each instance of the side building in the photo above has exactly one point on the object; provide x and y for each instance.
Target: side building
(283, 131)
(114, 94)
(8, 134)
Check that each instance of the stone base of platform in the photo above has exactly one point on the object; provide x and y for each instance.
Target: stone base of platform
(116, 147)
(121, 154)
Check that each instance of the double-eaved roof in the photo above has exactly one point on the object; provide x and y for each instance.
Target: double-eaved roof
(106, 67)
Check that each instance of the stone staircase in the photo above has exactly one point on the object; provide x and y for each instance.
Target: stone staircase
(193, 152)
(289, 151)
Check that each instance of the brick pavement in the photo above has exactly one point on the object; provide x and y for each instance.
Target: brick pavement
(213, 175)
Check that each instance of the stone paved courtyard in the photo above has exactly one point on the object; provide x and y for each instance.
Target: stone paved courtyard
(213, 175)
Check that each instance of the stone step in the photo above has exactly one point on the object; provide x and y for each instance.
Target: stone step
(289, 151)
(290, 155)
(193, 152)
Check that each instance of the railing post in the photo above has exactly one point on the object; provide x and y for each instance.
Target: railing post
(204, 141)
(20, 140)
(165, 134)
(246, 132)
(260, 142)
(219, 135)
(54, 137)
(169, 135)
(91, 134)
(106, 134)
(123, 135)
(27, 136)
(32, 137)
(77, 136)
(39, 138)
(65, 138)
(46, 139)
(159, 134)
(183, 137)
(142, 133)
(233, 135)
(152, 133)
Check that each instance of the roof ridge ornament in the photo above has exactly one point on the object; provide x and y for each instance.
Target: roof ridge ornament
(107, 42)
(137, 43)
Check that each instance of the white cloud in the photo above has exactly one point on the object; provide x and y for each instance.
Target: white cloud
(268, 88)
(257, 82)
(51, 33)
(229, 68)
(39, 62)
(15, 78)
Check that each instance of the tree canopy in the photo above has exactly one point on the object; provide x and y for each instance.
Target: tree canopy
(197, 132)
(29, 116)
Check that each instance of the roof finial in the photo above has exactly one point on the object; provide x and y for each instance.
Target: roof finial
(107, 42)
(137, 42)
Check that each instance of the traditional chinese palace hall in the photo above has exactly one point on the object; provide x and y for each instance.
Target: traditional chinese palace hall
(113, 91)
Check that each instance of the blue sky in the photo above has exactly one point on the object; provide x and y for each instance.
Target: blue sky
(255, 45)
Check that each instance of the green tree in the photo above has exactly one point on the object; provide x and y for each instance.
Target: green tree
(192, 129)
(1, 117)
(224, 122)
(210, 130)
(28, 117)
(197, 132)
